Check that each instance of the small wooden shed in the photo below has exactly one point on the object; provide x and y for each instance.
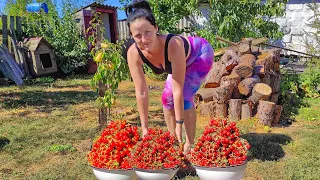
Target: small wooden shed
(40, 56)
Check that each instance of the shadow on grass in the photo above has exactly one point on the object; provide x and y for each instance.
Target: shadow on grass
(266, 146)
(49, 100)
(3, 142)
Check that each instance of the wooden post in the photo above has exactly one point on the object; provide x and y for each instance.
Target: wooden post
(19, 28)
(4, 30)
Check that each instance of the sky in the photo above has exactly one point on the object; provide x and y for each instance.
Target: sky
(121, 14)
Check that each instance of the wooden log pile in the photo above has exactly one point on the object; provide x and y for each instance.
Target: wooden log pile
(243, 83)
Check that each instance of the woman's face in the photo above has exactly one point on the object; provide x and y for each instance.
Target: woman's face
(144, 33)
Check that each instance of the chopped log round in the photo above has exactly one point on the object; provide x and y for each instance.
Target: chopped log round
(246, 85)
(223, 93)
(248, 60)
(234, 80)
(207, 109)
(243, 71)
(234, 110)
(277, 114)
(265, 112)
(203, 95)
(260, 91)
(221, 110)
(214, 76)
(259, 70)
(246, 111)
(244, 49)
(230, 59)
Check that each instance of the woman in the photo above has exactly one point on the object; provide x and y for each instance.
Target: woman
(186, 60)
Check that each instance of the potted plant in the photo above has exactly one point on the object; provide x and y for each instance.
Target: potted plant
(157, 156)
(219, 152)
(110, 152)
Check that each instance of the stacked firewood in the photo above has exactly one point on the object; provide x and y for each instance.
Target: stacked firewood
(243, 83)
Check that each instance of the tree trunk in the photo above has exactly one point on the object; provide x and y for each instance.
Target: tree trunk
(246, 111)
(220, 110)
(260, 91)
(234, 109)
(266, 79)
(274, 97)
(265, 112)
(275, 83)
(104, 112)
(203, 95)
(207, 109)
(246, 85)
(230, 59)
(215, 74)
(277, 114)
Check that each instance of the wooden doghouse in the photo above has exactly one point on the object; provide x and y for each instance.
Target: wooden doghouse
(40, 56)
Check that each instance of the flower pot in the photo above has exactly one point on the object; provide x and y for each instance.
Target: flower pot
(162, 174)
(221, 173)
(116, 174)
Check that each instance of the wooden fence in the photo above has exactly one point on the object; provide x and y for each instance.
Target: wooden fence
(123, 29)
(15, 25)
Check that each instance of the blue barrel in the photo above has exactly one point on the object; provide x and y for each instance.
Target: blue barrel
(36, 7)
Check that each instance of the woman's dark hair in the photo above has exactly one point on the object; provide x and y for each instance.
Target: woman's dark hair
(139, 9)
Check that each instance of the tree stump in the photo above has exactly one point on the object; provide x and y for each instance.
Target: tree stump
(215, 74)
(266, 79)
(246, 85)
(221, 110)
(265, 112)
(260, 91)
(207, 109)
(277, 114)
(246, 111)
(230, 59)
(234, 110)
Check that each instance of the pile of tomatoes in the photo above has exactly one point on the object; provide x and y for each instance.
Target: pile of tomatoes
(220, 145)
(157, 150)
(112, 150)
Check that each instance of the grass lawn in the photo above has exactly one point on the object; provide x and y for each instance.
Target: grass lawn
(47, 129)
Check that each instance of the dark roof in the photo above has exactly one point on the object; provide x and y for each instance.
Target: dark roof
(98, 5)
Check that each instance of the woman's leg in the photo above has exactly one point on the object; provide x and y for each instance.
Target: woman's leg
(190, 121)
(169, 117)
